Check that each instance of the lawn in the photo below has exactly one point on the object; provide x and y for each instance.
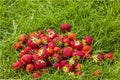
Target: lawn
(99, 19)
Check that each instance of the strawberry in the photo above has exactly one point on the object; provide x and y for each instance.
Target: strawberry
(27, 58)
(36, 75)
(33, 35)
(56, 49)
(78, 54)
(63, 62)
(78, 45)
(57, 65)
(87, 49)
(45, 40)
(78, 67)
(66, 52)
(21, 54)
(27, 50)
(100, 57)
(67, 68)
(29, 67)
(22, 38)
(39, 32)
(108, 56)
(17, 45)
(87, 56)
(72, 62)
(66, 41)
(50, 51)
(65, 27)
(48, 30)
(17, 65)
(88, 40)
(72, 36)
(56, 57)
(97, 72)
(42, 53)
(35, 57)
(48, 62)
(51, 45)
(57, 41)
(52, 34)
(78, 73)
(32, 43)
(40, 64)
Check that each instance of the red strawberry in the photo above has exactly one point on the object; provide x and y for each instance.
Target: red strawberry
(36, 75)
(17, 65)
(67, 51)
(50, 51)
(63, 62)
(48, 30)
(57, 65)
(29, 67)
(56, 57)
(78, 73)
(52, 34)
(56, 49)
(17, 45)
(100, 57)
(35, 57)
(58, 41)
(87, 56)
(66, 41)
(65, 27)
(27, 58)
(33, 35)
(51, 45)
(22, 38)
(109, 56)
(32, 43)
(87, 49)
(27, 50)
(40, 32)
(40, 64)
(42, 53)
(67, 68)
(78, 54)
(78, 44)
(45, 39)
(21, 54)
(72, 35)
(78, 67)
(88, 40)
(97, 72)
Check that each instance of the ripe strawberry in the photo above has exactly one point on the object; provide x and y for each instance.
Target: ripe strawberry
(63, 62)
(36, 75)
(78, 44)
(26, 59)
(50, 51)
(72, 36)
(39, 32)
(27, 50)
(67, 51)
(52, 34)
(56, 57)
(78, 67)
(29, 67)
(58, 41)
(65, 27)
(33, 35)
(108, 56)
(87, 49)
(21, 54)
(22, 38)
(40, 64)
(66, 41)
(88, 40)
(78, 54)
(51, 45)
(57, 65)
(67, 68)
(78, 73)
(45, 40)
(35, 57)
(56, 49)
(17, 65)
(32, 43)
(42, 53)
(17, 45)
(97, 72)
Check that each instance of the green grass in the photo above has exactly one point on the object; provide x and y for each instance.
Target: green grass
(100, 19)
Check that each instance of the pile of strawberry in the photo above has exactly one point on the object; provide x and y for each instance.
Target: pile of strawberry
(41, 50)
